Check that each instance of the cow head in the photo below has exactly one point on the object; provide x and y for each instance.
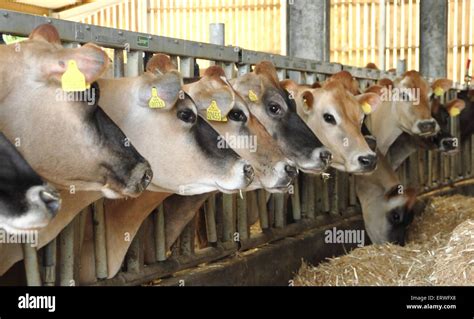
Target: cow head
(276, 110)
(163, 123)
(409, 98)
(395, 213)
(242, 130)
(443, 141)
(25, 201)
(66, 137)
(336, 116)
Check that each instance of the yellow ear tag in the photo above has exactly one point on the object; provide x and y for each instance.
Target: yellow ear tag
(366, 108)
(454, 111)
(155, 101)
(252, 96)
(213, 113)
(73, 80)
(438, 91)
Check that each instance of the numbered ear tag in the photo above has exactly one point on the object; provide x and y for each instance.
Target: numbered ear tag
(438, 91)
(454, 111)
(155, 101)
(252, 96)
(366, 108)
(213, 113)
(73, 80)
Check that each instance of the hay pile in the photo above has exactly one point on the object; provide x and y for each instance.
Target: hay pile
(440, 251)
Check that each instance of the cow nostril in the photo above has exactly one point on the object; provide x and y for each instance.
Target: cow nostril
(448, 143)
(291, 171)
(367, 161)
(51, 200)
(325, 156)
(147, 177)
(248, 171)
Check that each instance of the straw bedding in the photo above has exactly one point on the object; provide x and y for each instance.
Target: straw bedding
(439, 251)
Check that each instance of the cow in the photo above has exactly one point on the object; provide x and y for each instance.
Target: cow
(273, 106)
(26, 202)
(465, 119)
(335, 115)
(68, 141)
(443, 141)
(387, 206)
(405, 108)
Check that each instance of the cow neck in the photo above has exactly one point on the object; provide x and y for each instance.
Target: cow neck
(124, 218)
(372, 186)
(385, 126)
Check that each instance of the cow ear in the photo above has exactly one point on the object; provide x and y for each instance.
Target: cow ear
(377, 89)
(90, 60)
(162, 92)
(46, 32)
(308, 100)
(385, 82)
(316, 85)
(440, 86)
(290, 86)
(160, 64)
(454, 107)
(369, 102)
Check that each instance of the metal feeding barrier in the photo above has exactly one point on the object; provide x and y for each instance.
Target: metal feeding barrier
(313, 202)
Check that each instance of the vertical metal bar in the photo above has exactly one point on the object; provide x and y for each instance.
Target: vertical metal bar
(352, 192)
(295, 201)
(160, 235)
(310, 197)
(186, 67)
(242, 224)
(243, 69)
(335, 193)
(211, 219)
(318, 195)
(135, 254)
(66, 256)
(100, 239)
(119, 66)
(228, 217)
(134, 65)
(187, 238)
(279, 210)
(262, 208)
(325, 194)
(281, 73)
(343, 191)
(49, 263)
(33, 277)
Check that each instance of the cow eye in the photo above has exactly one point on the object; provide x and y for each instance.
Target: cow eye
(274, 108)
(187, 116)
(238, 116)
(329, 118)
(396, 218)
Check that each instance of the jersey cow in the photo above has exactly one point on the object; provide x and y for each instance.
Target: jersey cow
(335, 115)
(68, 140)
